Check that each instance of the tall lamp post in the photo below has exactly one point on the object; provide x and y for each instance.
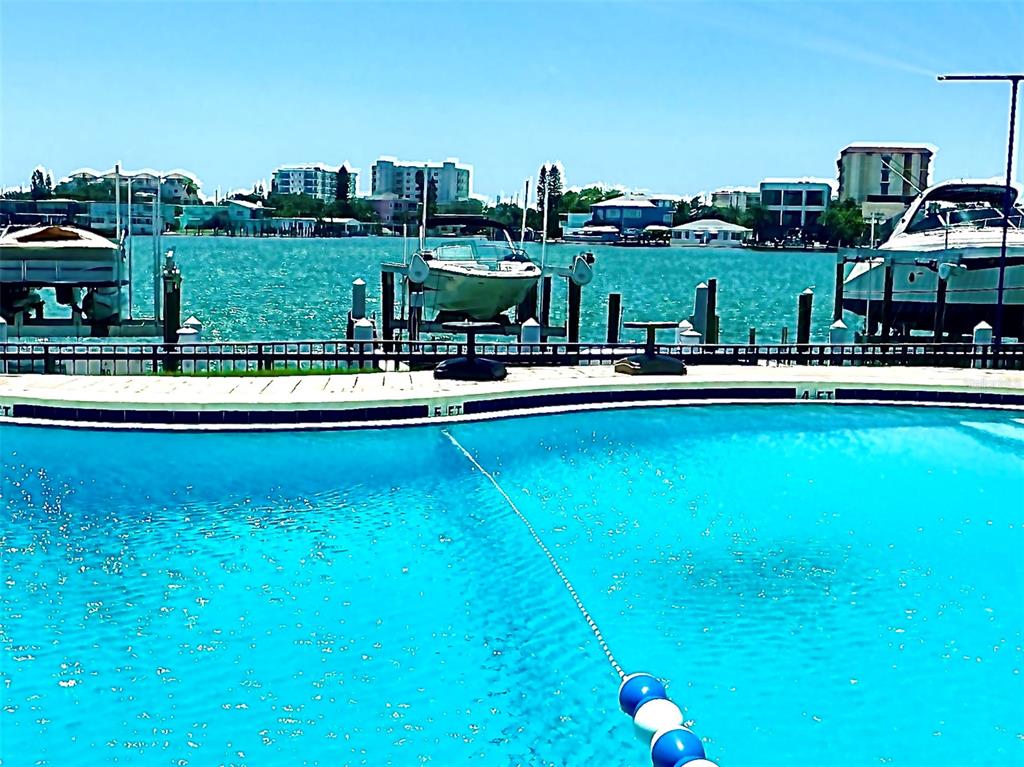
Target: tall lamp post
(1014, 81)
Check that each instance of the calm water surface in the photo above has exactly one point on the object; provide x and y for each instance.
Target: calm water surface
(819, 586)
(246, 288)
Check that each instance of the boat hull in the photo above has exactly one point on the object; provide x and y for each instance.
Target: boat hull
(971, 292)
(479, 295)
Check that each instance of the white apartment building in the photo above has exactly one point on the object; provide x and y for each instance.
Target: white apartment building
(740, 197)
(315, 179)
(178, 186)
(796, 203)
(391, 176)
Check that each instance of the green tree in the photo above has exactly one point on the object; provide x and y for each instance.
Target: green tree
(542, 189)
(40, 188)
(843, 223)
(761, 220)
(554, 200)
(342, 191)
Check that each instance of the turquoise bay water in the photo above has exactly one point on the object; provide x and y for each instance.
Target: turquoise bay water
(246, 288)
(819, 586)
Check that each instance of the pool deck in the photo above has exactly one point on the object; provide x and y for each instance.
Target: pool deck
(404, 398)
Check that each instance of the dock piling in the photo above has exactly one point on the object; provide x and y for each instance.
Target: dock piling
(711, 334)
(837, 306)
(387, 302)
(614, 317)
(545, 301)
(887, 304)
(699, 318)
(572, 330)
(752, 337)
(527, 308)
(940, 310)
(803, 317)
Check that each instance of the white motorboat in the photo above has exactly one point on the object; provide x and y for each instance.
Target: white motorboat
(953, 231)
(87, 272)
(474, 278)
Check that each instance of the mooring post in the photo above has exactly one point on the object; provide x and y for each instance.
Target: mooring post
(387, 303)
(545, 302)
(572, 330)
(3, 342)
(415, 311)
(358, 310)
(837, 306)
(752, 337)
(172, 308)
(700, 310)
(887, 304)
(940, 311)
(614, 317)
(711, 336)
(982, 345)
(803, 317)
(785, 335)
(363, 333)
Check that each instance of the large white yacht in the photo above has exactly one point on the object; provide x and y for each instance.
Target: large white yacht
(953, 229)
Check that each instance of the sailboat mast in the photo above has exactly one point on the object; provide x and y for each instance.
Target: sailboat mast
(423, 225)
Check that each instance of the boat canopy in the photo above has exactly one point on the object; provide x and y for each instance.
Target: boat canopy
(952, 191)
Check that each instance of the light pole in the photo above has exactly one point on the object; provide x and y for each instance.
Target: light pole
(1014, 80)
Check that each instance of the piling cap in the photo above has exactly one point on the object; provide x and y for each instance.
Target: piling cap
(983, 326)
(703, 285)
(192, 322)
(358, 281)
(532, 323)
(838, 325)
(686, 325)
(363, 323)
(808, 291)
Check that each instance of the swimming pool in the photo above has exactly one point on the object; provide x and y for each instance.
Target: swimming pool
(818, 586)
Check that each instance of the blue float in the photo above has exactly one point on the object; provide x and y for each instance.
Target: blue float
(637, 689)
(676, 748)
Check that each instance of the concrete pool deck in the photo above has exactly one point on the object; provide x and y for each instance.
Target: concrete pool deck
(404, 398)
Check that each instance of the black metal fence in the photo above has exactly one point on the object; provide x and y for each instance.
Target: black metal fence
(223, 358)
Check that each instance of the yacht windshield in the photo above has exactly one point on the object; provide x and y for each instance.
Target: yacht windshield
(478, 250)
(944, 214)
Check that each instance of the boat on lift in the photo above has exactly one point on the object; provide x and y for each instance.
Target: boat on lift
(86, 271)
(476, 278)
(952, 231)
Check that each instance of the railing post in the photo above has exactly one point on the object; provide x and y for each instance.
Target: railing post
(982, 344)
(837, 306)
(572, 330)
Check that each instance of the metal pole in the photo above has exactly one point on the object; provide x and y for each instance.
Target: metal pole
(130, 242)
(117, 202)
(522, 230)
(1014, 81)
(1007, 195)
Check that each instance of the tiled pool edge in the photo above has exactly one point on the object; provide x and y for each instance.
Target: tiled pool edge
(417, 400)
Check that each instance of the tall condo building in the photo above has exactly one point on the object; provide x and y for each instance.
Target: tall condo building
(391, 176)
(315, 179)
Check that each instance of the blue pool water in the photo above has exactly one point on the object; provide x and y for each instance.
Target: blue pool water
(819, 586)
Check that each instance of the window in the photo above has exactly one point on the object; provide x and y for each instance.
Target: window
(631, 213)
(815, 197)
(771, 197)
(612, 213)
(792, 198)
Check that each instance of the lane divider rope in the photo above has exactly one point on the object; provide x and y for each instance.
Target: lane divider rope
(547, 552)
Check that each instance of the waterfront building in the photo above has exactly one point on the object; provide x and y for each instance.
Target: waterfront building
(390, 176)
(102, 216)
(314, 179)
(238, 216)
(710, 232)
(739, 197)
(884, 177)
(52, 211)
(392, 209)
(634, 211)
(796, 203)
(573, 223)
(177, 186)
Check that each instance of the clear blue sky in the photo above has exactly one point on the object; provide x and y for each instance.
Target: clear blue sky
(669, 96)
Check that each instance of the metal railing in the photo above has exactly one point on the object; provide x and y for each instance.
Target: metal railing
(338, 355)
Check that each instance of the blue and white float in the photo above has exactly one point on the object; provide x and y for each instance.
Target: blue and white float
(659, 722)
